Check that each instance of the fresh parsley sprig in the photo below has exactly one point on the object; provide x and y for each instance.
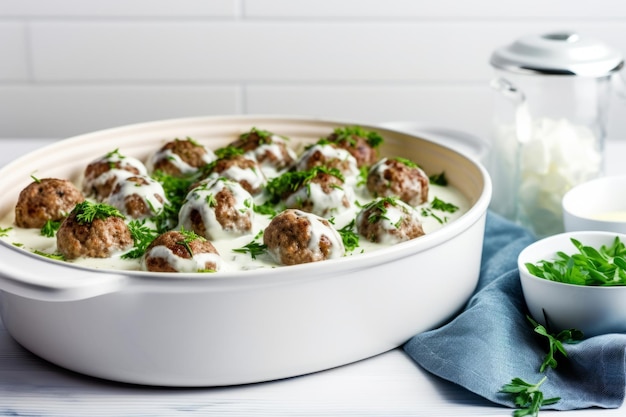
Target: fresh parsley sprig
(528, 397)
(555, 342)
(50, 228)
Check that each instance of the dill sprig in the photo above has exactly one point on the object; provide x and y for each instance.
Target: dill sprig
(87, 212)
(142, 236)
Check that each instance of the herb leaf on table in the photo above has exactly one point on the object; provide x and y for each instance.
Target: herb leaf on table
(527, 396)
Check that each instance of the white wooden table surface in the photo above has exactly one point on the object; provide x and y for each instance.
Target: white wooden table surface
(390, 384)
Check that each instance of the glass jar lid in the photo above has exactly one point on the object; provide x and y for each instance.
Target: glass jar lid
(558, 53)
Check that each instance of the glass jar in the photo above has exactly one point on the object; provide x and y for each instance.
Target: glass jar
(549, 123)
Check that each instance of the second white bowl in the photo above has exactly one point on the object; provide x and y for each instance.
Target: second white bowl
(599, 204)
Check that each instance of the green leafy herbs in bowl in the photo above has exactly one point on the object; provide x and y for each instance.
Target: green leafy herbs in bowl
(602, 266)
(576, 280)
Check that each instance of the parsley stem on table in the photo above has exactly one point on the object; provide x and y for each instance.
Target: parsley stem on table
(528, 397)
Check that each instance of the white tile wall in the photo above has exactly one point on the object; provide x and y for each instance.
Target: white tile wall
(71, 66)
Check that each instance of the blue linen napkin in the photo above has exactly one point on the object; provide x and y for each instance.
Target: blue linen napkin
(491, 341)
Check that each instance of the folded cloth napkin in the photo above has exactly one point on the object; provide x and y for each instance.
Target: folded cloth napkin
(491, 341)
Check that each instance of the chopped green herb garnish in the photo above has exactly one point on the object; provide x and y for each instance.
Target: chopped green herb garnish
(55, 256)
(254, 248)
(379, 208)
(267, 209)
(87, 212)
(441, 205)
(192, 141)
(188, 237)
(265, 136)
(374, 139)
(35, 179)
(175, 187)
(115, 153)
(291, 181)
(427, 212)
(50, 228)
(438, 179)
(142, 237)
(228, 152)
(5, 232)
(349, 237)
(406, 162)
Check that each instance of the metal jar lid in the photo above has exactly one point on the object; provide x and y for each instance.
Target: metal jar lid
(558, 53)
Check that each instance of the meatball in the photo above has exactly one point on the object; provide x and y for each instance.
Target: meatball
(389, 220)
(325, 154)
(269, 150)
(93, 230)
(180, 157)
(398, 177)
(138, 197)
(180, 251)
(217, 208)
(240, 168)
(46, 199)
(102, 174)
(362, 144)
(321, 191)
(296, 237)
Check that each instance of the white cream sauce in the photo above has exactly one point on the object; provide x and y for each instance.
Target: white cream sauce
(197, 262)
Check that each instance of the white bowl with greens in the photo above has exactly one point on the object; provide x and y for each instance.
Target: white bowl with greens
(576, 280)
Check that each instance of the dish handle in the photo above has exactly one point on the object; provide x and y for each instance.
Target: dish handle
(47, 280)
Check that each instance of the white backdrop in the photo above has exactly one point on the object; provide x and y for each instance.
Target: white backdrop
(71, 66)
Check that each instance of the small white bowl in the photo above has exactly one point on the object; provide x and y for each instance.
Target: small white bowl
(598, 204)
(592, 309)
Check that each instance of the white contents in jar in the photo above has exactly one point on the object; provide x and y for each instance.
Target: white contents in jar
(556, 156)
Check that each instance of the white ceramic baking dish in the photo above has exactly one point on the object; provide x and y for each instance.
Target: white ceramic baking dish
(240, 327)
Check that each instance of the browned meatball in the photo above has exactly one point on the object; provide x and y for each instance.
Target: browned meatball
(389, 220)
(361, 143)
(240, 168)
(269, 150)
(328, 155)
(102, 174)
(93, 231)
(180, 251)
(398, 177)
(138, 197)
(46, 199)
(180, 157)
(217, 209)
(296, 237)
